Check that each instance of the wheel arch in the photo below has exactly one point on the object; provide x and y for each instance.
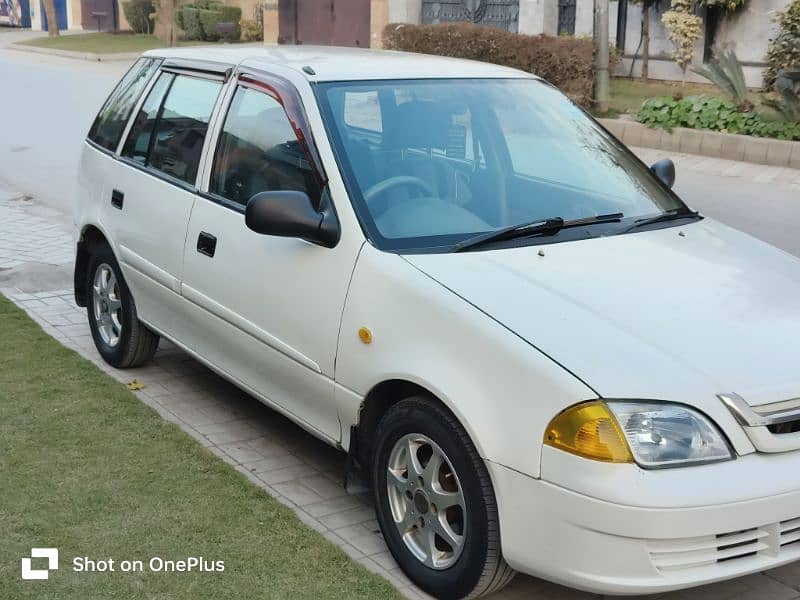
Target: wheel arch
(380, 398)
(91, 236)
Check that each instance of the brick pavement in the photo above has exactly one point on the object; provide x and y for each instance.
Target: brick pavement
(272, 452)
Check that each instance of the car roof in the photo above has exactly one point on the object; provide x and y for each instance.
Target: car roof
(331, 63)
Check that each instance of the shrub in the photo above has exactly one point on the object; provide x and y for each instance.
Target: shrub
(188, 18)
(784, 50)
(725, 71)
(200, 20)
(208, 22)
(701, 112)
(683, 29)
(138, 12)
(252, 30)
(566, 62)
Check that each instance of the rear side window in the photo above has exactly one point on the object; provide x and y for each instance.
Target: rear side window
(137, 146)
(258, 151)
(107, 128)
(169, 131)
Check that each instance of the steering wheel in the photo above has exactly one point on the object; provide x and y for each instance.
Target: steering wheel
(398, 180)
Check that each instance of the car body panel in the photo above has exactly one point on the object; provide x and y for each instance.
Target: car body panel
(678, 314)
(502, 390)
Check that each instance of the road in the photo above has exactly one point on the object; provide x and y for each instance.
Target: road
(48, 104)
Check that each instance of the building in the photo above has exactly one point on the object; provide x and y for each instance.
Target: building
(360, 22)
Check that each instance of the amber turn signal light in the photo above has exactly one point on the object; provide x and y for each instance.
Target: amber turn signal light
(591, 431)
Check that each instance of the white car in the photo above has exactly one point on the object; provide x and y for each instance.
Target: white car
(542, 360)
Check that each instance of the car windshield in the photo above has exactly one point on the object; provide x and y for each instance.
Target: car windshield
(430, 163)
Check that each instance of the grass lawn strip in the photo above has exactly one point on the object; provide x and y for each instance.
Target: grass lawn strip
(102, 43)
(87, 468)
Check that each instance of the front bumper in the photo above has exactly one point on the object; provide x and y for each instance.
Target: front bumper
(652, 531)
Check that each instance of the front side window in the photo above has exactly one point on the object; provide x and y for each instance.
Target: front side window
(258, 151)
(435, 162)
(170, 128)
(107, 128)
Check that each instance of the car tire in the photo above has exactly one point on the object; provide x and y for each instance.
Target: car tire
(440, 562)
(121, 339)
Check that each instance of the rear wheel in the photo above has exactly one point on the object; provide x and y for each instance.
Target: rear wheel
(121, 339)
(435, 502)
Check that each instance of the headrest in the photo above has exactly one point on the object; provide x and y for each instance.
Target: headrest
(417, 124)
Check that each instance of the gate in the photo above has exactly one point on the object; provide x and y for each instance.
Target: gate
(566, 17)
(325, 22)
(502, 14)
(99, 15)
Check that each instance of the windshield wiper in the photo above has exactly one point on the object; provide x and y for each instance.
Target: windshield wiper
(551, 225)
(670, 215)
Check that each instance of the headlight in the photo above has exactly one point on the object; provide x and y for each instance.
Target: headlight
(669, 435)
(654, 434)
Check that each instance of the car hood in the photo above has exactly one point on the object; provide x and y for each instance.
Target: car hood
(673, 314)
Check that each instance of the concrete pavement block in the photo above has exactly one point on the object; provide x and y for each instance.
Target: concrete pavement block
(794, 157)
(779, 152)
(712, 143)
(690, 140)
(733, 147)
(670, 140)
(651, 137)
(756, 150)
(633, 134)
(615, 126)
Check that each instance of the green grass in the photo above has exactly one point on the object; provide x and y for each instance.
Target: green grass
(627, 95)
(101, 43)
(89, 469)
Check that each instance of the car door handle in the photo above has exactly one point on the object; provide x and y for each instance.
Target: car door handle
(206, 244)
(116, 199)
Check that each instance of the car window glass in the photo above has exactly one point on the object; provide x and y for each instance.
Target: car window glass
(258, 151)
(137, 146)
(362, 110)
(181, 126)
(110, 122)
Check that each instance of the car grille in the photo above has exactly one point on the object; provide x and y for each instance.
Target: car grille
(771, 541)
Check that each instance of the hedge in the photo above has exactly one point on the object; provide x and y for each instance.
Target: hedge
(138, 14)
(200, 20)
(566, 62)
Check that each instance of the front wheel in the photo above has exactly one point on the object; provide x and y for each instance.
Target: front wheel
(435, 502)
(120, 338)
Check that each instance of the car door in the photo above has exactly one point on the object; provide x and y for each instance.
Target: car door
(267, 308)
(154, 188)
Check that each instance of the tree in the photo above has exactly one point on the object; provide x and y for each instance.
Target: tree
(684, 30)
(52, 20)
(646, 6)
(164, 18)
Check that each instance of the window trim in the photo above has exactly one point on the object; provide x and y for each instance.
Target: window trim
(287, 95)
(123, 134)
(136, 108)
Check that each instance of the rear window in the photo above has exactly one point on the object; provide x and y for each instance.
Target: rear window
(107, 128)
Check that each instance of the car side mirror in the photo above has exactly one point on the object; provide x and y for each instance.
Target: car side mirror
(291, 214)
(664, 169)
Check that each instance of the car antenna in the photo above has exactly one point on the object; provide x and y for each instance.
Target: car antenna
(308, 70)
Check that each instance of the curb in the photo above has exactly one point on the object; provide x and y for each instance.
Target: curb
(730, 146)
(88, 56)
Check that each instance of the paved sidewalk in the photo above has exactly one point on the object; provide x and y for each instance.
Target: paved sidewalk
(275, 454)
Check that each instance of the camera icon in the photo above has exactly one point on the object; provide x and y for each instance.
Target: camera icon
(51, 554)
